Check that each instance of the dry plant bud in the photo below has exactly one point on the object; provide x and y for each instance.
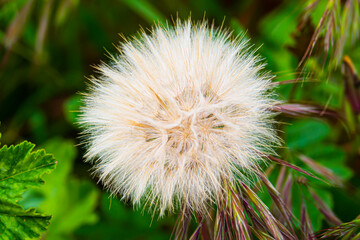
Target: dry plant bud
(180, 113)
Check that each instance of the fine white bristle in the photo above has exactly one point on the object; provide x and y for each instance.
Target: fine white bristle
(176, 115)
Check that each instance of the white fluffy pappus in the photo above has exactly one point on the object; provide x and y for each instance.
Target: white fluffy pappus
(177, 115)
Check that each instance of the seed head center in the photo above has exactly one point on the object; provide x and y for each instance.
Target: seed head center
(191, 132)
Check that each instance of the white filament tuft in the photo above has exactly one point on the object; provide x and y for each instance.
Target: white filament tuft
(178, 113)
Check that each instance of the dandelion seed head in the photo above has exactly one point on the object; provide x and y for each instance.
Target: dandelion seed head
(176, 114)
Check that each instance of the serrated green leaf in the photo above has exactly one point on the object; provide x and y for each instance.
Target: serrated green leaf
(78, 198)
(20, 168)
(17, 223)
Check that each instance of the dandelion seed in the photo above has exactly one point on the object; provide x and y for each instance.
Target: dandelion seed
(180, 112)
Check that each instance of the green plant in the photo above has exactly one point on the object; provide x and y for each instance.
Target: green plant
(20, 169)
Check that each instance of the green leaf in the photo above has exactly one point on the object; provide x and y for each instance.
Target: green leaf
(332, 157)
(17, 223)
(239, 30)
(9, 9)
(78, 198)
(280, 24)
(315, 215)
(146, 10)
(117, 218)
(305, 133)
(72, 108)
(21, 168)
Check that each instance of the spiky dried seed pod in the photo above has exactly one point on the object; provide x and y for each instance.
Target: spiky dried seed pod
(176, 115)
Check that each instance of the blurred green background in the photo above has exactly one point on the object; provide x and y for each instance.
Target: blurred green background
(48, 48)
